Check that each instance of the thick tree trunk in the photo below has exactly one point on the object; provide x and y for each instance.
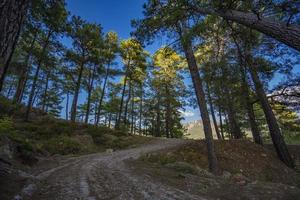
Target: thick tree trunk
(213, 113)
(274, 129)
(287, 34)
(12, 14)
(197, 83)
(102, 94)
(76, 93)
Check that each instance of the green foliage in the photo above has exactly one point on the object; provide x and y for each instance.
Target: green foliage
(6, 126)
(7, 108)
(62, 145)
(7, 129)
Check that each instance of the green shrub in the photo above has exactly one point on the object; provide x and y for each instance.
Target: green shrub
(6, 126)
(159, 158)
(62, 145)
(7, 108)
(8, 130)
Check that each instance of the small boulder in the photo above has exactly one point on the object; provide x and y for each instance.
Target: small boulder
(240, 179)
(109, 150)
(226, 175)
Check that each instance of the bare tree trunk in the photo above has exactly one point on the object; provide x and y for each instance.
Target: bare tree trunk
(213, 113)
(41, 60)
(109, 120)
(274, 129)
(249, 107)
(197, 83)
(158, 122)
(221, 123)
(228, 130)
(45, 92)
(12, 14)
(132, 113)
(168, 112)
(235, 129)
(102, 94)
(287, 34)
(76, 93)
(24, 71)
(141, 110)
(126, 104)
(122, 102)
(35, 96)
(67, 106)
(90, 89)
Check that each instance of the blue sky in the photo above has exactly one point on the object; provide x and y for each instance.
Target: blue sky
(116, 15)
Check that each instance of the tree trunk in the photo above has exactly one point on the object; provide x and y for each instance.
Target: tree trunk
(45, 92)
(23, 74)
(287, 34)
(235, 129)
(221, 123)
(213, 113)
(76, 93)
(249, 107)
(132, 113)
(67, 107)
(228, 126)
(126, 104)
(158, 122)
(233, 124)
(24, 86)
(102, 94)
(12, 14)
(35, 96)
(141, 110)
(197, 83)
(109, 120)
(90, 89)
(122, 101)
(10, 88)
(274, 129)
(33, 87)
(168, 112)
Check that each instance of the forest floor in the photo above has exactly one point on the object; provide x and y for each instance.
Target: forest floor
(163, 169)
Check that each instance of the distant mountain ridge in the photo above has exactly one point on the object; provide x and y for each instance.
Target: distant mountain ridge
(194, 130)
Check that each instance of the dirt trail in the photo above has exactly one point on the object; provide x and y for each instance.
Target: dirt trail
(103, 176)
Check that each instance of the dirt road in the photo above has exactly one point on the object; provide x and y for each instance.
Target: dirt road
(102, 176)
(117, 175)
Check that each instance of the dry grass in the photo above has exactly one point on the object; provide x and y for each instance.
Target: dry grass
(235, 156)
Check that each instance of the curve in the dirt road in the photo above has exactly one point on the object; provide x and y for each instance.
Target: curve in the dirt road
(103, 176)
